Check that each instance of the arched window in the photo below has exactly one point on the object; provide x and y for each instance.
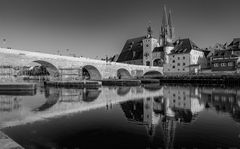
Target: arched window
(158, 62)
(147, 63)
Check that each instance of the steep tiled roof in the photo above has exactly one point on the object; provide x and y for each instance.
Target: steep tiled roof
(223, 53)
(235, 44)
(184, 46)
(132, 50)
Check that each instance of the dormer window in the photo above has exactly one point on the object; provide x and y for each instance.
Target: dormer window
(134, 53)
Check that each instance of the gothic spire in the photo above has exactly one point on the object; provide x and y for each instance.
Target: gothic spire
(149, 30)
(164, 19)
(170, 18)
(171, 29)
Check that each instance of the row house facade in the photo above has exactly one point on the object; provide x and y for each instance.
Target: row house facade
(226, 59)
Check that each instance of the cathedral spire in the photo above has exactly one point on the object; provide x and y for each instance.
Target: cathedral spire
(164, 19)
(170, 18)
(171, 29)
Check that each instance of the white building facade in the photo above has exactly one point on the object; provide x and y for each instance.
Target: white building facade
(185, 58)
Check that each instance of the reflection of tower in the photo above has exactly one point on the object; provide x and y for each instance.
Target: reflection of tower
(153, 108)
(148, 115)
(169, 128)
(169, 124)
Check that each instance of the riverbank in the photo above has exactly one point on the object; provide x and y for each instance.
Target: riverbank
(233, 80)
(8, 143)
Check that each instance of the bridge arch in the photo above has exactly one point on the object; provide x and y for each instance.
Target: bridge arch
(52, 69)
(123, 74)
(152, 73)
(92, 71)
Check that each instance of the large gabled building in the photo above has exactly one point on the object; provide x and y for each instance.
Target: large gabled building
(132, 52)
(185, 58)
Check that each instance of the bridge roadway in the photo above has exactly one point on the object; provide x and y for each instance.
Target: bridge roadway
(97, 69)
(62, 102)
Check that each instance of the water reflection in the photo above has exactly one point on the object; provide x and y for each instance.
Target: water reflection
(61, 101)
(170, 115)
(179, 106)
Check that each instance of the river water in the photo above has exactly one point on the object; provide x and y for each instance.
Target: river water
(150, 116)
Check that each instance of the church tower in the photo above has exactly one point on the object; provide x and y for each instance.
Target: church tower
(171, 28)
(167, 34)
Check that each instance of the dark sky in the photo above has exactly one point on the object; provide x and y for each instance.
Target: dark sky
(100, 27)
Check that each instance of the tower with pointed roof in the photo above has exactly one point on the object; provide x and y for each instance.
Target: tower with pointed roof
(166, 33)
(149, 43)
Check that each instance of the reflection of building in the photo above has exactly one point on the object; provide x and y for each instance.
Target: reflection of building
(223, 100)
(176, 106)
(147, 50)
(184, 101)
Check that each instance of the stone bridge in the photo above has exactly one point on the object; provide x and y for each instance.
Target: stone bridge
(97, 69)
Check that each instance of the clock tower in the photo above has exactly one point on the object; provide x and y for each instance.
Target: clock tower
(149, 43)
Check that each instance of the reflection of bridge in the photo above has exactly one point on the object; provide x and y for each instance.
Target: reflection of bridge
(97, 69)
(64, 101)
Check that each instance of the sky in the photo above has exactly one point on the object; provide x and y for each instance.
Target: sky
(96, 28)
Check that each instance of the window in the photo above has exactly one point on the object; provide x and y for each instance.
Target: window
(173, 66)
(148, 63)
(173, 61)
(223, 64)
(183, 64)
(178, 64)
(230, 63)
(178, 69)
(183, 69)
(215, 65)
(178, 58)
(134, 53)
(184, 57)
